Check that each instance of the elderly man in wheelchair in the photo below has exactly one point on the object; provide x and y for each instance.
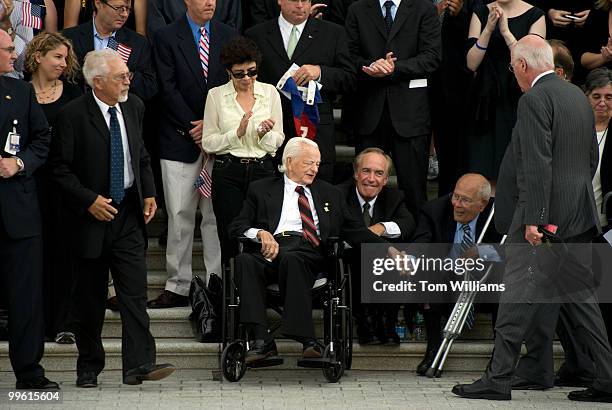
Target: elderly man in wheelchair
(292, 219)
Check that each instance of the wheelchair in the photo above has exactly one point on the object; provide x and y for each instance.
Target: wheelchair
(331, 290)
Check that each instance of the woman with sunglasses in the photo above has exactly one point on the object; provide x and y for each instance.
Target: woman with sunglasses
(51, 61)
(242, 128)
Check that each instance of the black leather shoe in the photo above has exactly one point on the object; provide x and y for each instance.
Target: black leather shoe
(479, 390)
(260, 350)
(113, 304)
(571, 382)
(37, 383)
(312, 350)
(590, 394)
(87, 380)
(426, 362)
(168, 300)
(148, 372)
(518, 383)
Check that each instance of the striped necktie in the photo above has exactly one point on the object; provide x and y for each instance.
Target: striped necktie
(203, 48)
(309, 230)
(466, 244)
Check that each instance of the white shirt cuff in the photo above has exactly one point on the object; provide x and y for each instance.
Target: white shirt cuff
(252, 234)
(392, 230)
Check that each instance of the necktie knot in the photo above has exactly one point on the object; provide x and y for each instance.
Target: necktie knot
(388, 4)
(299, 189)
(112, 111)
(366, 206)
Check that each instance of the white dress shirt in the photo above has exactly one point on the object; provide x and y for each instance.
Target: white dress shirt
(396, 4)
(392, 230)
(535, 80)
(128, 174)
(290, 219)
(222, 115)
(286, 27)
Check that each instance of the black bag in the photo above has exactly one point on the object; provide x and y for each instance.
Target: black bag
(206, 308)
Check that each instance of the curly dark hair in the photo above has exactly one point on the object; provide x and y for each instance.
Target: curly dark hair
(238, 51)
(45, 42)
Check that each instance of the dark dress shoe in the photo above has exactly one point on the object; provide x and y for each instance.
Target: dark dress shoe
(168, 300)
(427, 361)
(148, 372)
(590, 394)
(37, 383)
(87, 380)
(518, 383)
(260, 350)
(572, 382)
(479, 390)
(65, 338)
(113, 304)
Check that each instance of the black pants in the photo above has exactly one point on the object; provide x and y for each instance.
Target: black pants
(124, 254)
(409, 157)
(231, 180)
(21, 281)
(294, 269)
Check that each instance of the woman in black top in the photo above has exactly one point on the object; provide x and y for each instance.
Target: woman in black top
(52, 63)
(598, 48)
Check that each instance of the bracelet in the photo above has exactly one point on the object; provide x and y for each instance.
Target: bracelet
(478, 46)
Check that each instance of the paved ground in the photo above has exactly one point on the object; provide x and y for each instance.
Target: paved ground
(284, 389)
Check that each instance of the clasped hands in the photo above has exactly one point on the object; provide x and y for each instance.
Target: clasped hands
(103, 211)
(8, 167)
(381, 67)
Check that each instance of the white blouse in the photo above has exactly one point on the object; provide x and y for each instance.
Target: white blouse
(601, 140)
(222, 116)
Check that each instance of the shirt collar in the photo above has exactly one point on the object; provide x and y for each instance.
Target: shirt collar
(535, 80)
(97, 35)
(284, 24)
(363, 201)
(291, 184)
(103, 106)
(396, 3)
(472, 225)
(228, 89)
(195, 27)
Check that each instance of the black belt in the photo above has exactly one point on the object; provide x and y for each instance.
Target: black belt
(241, 160)
(285, 234)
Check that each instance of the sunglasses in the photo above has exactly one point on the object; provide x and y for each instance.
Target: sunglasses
(240, 75)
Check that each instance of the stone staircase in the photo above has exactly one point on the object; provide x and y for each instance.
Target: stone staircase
(175, 342)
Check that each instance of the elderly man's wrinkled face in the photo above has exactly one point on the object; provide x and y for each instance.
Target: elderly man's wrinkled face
(466, 201)
(201, 11)
(371, 175)
(303, 168)
(8, 55)
(295, 11)
(114, 87)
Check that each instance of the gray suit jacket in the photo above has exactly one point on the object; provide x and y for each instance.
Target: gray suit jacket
(545, 177)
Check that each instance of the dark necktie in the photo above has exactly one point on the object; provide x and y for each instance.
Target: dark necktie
(388, 17)
(367, 219)
(309, 230)
(116, 158)
(466, 244)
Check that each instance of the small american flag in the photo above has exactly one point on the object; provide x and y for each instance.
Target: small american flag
(203, 183)
(123, 50)
(32, 15)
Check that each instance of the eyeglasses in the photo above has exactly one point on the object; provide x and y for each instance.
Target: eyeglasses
(10, 50)
(462, 199)
(511, 67)
(596, 98)
(251, 72)
(121, 77)
(119, 9)
(299, 1)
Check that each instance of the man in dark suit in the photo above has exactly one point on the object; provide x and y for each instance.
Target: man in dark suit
(24, 144)
(553, 157)
(185, 76)
(320, 49)
(442, 221)
(107, 30)
(395, 47)
(383, 211)
(293, 217)
(103, 170)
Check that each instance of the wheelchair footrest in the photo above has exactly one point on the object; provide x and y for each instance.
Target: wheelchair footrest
(319, 363)
(267, 362)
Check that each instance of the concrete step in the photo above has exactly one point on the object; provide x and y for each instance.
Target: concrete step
(187, 354)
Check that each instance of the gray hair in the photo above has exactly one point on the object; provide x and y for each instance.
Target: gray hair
(484, 186)
(598, 78)
(538, 57)
(96, 64)
(372, 150)
(293, 149)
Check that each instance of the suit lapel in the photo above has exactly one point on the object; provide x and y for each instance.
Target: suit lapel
(131, 127)
(275, 205)
(4, 107)
(320, 208)
(275, 39)
(400, 17)
(214, 48)
(96, 118)
(375, 14)
(86, 39)
(308, 37)
(379, 211)
(190, 52)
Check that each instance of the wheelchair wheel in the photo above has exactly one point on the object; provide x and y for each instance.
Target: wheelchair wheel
(334, 371)
(233, 361)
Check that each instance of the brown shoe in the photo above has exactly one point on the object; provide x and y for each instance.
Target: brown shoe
(168, 300)
(112, 304)
(312, 352)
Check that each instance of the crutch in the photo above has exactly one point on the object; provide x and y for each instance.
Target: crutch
(460, 311)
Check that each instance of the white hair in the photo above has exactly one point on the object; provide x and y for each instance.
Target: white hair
(96, 64)
(538, 57)
(293, 149)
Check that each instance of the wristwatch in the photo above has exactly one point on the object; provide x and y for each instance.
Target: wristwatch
(20, 164)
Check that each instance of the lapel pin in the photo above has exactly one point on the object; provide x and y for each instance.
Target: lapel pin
(325, 208)
(8, 97)
(309, 36)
